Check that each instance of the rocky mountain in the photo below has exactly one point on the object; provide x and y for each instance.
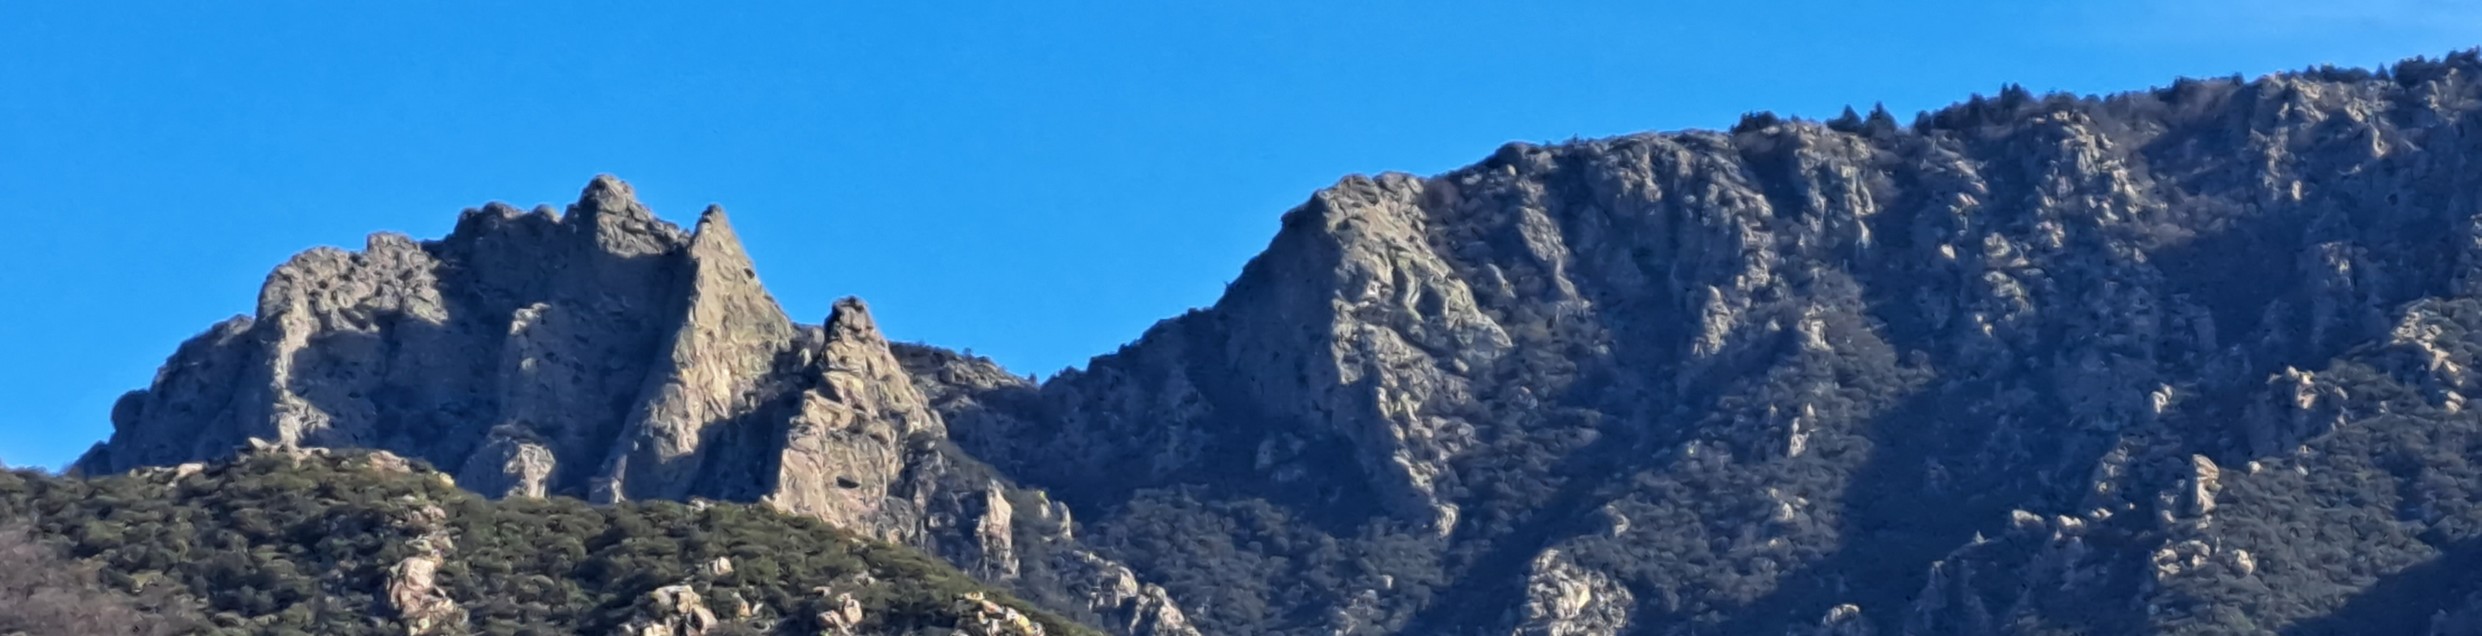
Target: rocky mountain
(608, 355)
(2190, 360)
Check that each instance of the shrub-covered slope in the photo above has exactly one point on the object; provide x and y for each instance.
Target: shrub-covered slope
(300, 542)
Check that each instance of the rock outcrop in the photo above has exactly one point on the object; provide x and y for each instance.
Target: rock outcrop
(413, 592)
(1564, 600)
(986, 618)
(601, 353)
(672, 610)
(720, 372)
(845, 452)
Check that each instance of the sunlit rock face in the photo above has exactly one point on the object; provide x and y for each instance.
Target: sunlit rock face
(602, 353)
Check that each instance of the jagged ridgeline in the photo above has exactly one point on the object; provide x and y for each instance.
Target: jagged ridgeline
(2192, 360)
(607, 355)
(309, 542)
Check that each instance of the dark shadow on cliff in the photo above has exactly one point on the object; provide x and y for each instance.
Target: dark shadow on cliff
(1927, 487)
(1894, 525)
(1924, 486)
(361, 383)
(1495, 573)
(433, 388)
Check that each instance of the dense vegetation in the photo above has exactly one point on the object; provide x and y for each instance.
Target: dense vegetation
(43, 592)
(304, 544)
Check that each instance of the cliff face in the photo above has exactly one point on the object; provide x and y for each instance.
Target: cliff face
(2032, 365)
(2191, 360)
(603, 354)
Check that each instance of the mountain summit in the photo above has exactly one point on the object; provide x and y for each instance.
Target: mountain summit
(606, 354)
(2185, 361)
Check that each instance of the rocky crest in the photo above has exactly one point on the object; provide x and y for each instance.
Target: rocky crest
(2186, 361)
(1842, 377)
(601, 353)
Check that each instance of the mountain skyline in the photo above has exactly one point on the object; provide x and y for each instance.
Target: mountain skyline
(2185, 360)
(165, 184)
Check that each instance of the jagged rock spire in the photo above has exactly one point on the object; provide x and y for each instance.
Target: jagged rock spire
(608, 210)
(846, 447)
(721, 369)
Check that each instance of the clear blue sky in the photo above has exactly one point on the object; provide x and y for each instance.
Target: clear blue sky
(1036, 181)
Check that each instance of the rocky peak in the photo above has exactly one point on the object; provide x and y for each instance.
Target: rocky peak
(850, 319)
(608, 211)
(723, 369)
(603, 353)
(854, 431)
(857, 365)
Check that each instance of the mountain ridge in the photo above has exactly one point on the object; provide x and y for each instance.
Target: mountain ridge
(607, 355)
(2035, 364)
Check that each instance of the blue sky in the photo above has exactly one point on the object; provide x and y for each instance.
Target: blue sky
(1037, 182)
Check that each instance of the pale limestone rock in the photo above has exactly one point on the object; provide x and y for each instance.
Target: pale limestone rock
(845, 619)
(1562, 599)
(672, 610)
(2298, 406)
(412, 591)
(1128, 606)
(1797, 440)
(981, 617)
(339, 297)
(415, 597)
(547, 395)
(506, 467)
(2188, 556)
(847, 444)
(1842, 620)
(718, 372)
(993, 537)
(393, 347)
(2205, 479)
(2022, 520)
